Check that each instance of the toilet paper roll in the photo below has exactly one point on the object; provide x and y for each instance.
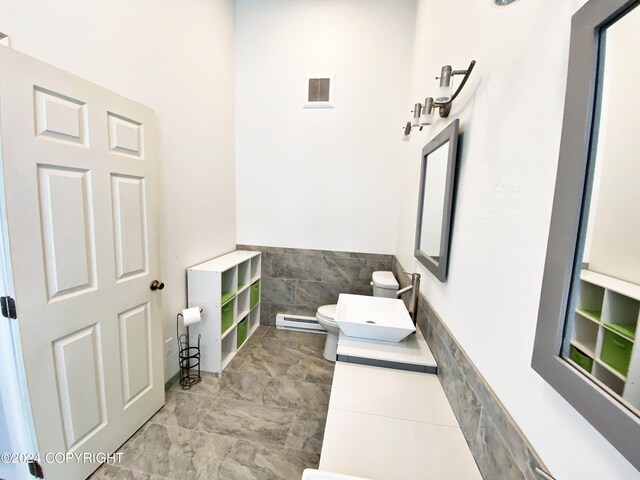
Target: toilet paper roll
(191, 316)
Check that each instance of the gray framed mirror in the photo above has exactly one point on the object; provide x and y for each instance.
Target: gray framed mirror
(585, 345)
(435, 201)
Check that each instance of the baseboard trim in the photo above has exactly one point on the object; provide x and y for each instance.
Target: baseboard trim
(298, 323)
(169, 383)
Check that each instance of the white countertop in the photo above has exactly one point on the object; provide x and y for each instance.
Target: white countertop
(392, 424)
(225, 262)
(390, 393)
(413, 350)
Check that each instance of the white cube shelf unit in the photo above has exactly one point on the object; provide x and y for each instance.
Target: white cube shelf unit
(603, 334)
(228, 289)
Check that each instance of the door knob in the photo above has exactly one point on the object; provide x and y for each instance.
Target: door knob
(156, 285)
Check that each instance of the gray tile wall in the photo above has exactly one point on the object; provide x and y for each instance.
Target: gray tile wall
(499, 447)
(298, 281)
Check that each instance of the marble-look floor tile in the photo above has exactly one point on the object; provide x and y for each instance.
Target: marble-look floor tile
(114, 472)
(278, 442)
(260, 362)
(307, 430)
(261, 331)
(289, 336)
(309, 351)
(289, 393)
(178, 453)
(209, 385)
(131, 439)
(267, 423)
(249, 460)
(238, 385)
(320, 372)
(183, 409)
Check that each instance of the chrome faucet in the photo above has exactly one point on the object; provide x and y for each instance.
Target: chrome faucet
(414, 288)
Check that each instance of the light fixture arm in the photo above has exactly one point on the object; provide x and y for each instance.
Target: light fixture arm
(423, 113)
(445, 107)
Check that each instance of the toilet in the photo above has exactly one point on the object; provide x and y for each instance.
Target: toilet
(384, 285)
(326, 317)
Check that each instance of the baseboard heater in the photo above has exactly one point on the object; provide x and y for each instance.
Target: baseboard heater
(298, 323)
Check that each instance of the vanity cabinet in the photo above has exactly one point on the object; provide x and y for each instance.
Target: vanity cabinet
(227, 288)
(603, 340)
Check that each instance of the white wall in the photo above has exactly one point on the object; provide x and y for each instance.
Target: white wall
(177, 58)
(511, 113)
(321, 178)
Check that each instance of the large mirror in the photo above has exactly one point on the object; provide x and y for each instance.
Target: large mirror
(435, 201)
(586, 345)
(600, 331)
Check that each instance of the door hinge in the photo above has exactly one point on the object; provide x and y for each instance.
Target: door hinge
(8, 307)
(35, 469)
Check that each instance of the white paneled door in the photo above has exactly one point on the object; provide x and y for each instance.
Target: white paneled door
(80, 184)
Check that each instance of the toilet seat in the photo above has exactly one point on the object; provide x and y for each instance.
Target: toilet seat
(327, 313)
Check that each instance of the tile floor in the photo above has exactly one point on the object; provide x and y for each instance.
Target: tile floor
(263, 418)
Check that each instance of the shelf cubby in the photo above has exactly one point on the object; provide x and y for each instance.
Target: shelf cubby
(590, 300)
(242, 331)
(620, 314)
(229, 284)
(585, 334)
(228, 314)
(581, 358)
(608, 378)
(229, 347)
(254, 320)
(603, 330)
(243, 304)
(244, 274)
(222, 288)
(256, 267)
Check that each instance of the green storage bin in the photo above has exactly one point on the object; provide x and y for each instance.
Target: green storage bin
(227, 316)
(242, 331)
(584, 361)
(227, 296)
(255, 294)
(616, 351)
(628, 331)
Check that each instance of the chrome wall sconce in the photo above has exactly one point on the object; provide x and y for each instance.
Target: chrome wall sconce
(442, 100)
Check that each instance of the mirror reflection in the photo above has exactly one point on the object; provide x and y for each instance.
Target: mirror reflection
(600, 337)
(433, 202)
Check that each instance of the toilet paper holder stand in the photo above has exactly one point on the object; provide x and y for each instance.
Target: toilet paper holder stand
(188, 357)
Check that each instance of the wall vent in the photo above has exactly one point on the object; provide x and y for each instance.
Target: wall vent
(320, 91)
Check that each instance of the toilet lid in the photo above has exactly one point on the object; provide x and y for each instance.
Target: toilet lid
(328, 312)
(385, 280)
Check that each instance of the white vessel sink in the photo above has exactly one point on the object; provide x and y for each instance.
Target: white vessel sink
(374, 318)
(310, 474)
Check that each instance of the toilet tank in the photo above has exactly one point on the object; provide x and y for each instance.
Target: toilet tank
(384, 284)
